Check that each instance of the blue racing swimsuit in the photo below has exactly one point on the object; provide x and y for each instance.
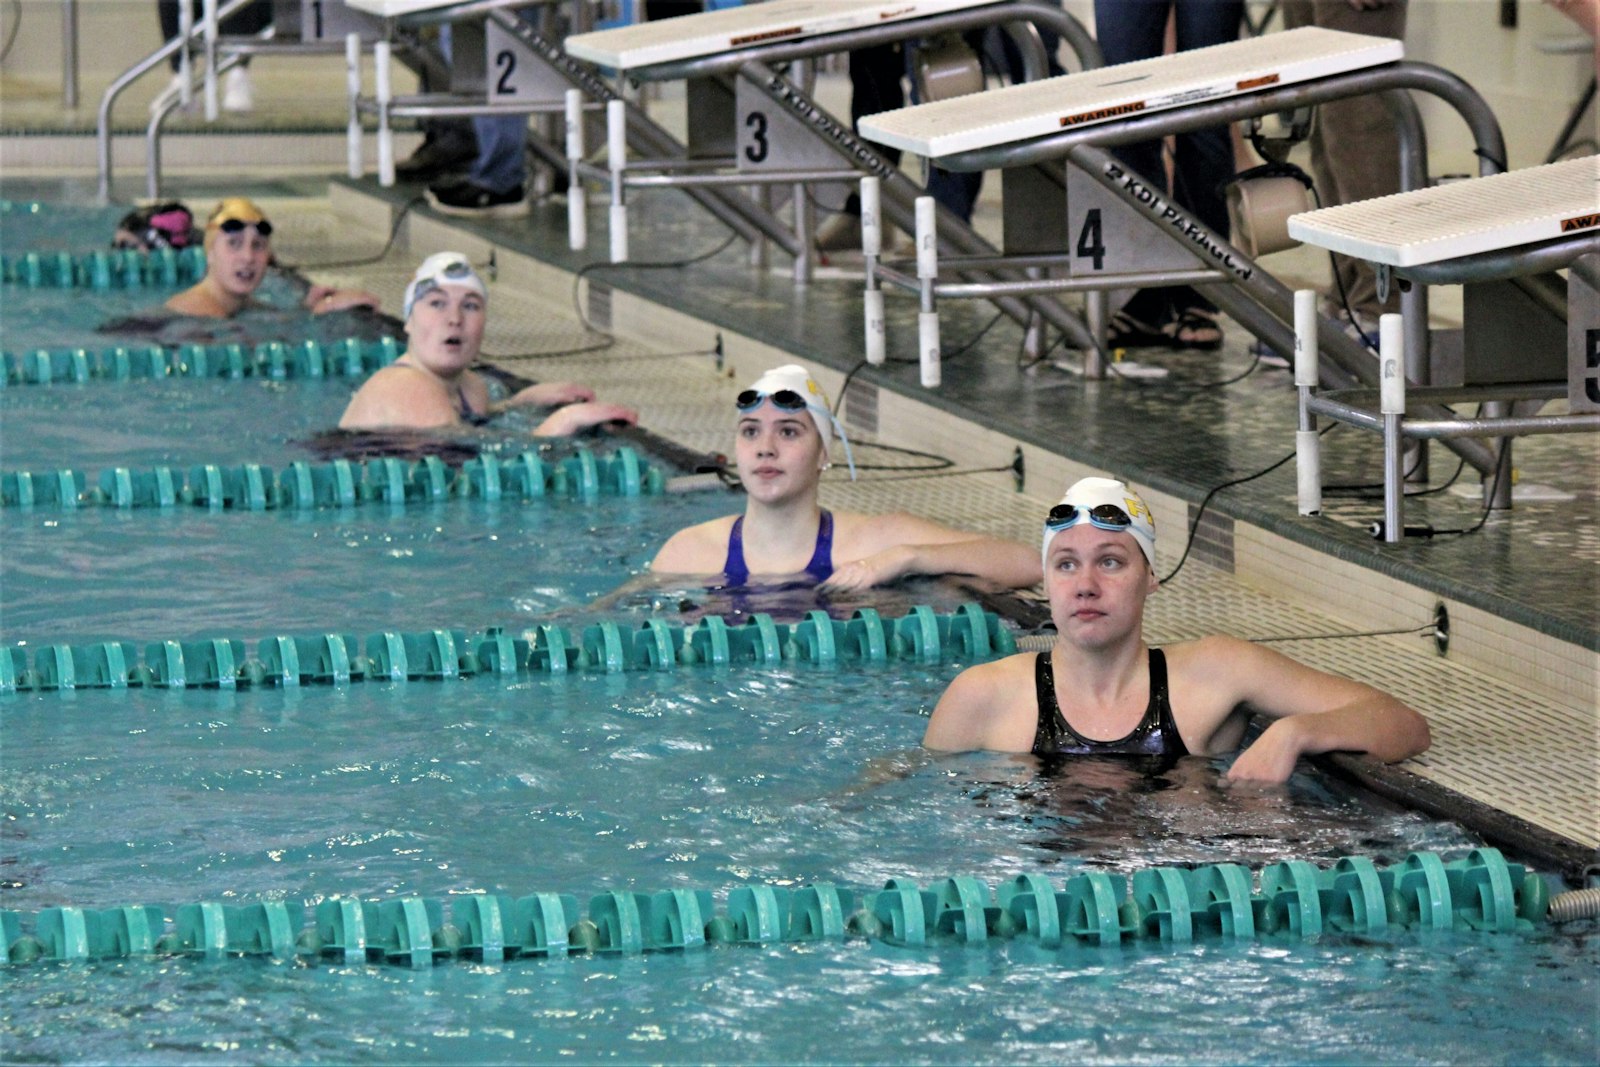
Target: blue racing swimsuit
(820, 567)
(1155, 735)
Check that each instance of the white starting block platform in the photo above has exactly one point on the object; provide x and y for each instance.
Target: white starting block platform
(1023, 112)
(396, 9)
(1463, 218)
(693, 36)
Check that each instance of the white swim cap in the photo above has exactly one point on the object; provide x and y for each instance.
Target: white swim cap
(442, 268)
(793, 378)
(1133, 515)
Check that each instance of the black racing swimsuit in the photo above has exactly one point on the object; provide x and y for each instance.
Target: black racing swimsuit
(1155, 735)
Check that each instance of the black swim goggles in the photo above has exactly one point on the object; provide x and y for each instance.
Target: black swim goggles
(1104, 516)
(264, 228)
(783, 400)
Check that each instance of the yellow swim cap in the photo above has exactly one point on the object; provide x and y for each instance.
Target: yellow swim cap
(240, 210)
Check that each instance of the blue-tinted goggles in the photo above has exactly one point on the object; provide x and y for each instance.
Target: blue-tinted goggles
(1104, 516)
(783, 400)
(264, 228)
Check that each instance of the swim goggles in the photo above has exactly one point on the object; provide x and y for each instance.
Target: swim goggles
(783, 399)
(264, 228)
(1104, 516)
(454, 271)
(789, 400)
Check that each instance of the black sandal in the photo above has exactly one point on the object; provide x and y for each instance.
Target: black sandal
(1125, 331)
(1194, 321)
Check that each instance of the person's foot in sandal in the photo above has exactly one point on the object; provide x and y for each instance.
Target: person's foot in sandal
(1125, 331)
(1194, 328)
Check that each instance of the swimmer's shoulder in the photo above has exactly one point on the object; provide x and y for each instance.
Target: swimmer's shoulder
(699, 549)
(989, 705)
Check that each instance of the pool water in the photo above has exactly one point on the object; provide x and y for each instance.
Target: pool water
(695, 778)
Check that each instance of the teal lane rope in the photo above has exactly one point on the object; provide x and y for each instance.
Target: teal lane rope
(582, 476)
(921, 635)
(1291, 901)
(104, 270)
(348, 358)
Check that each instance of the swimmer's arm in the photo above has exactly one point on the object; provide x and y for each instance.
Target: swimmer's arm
(912, 545)
(321, 299)
(395, 399)
(691, 551)
(1312, 711)
(575, 418)
(962, 719)
(545, 395)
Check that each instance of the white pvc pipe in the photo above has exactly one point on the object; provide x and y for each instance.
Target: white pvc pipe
(209, 15)
(380, 72)
(617, 157)
(1305, 338)
(928, 348)
(877, 342)
(185, 61)
(1392, 369)
(871, 218)
(927, 238)
(1308, 471)
(577, 203)
(352, 83)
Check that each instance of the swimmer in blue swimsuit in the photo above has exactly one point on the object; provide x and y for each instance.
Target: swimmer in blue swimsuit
(433, 386)
(784, 437)
(1102, 691)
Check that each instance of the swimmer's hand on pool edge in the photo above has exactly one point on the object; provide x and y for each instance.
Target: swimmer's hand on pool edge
(544, 395)
(575, 418)
(322, 299)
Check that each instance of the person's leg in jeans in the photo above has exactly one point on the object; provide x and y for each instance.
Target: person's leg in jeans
(1355, 152)
(1130, 30)
(1202, 161)
(502, 151)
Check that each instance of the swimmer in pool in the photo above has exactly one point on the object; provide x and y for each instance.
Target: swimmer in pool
(1102, 691)
(433, 386)
(781, 448)
(238, 244)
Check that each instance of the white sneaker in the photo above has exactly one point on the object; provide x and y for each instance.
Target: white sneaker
(237, 92)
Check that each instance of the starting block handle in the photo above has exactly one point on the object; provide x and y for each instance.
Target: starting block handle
(927, 272)
(1392, 405)
(577, 204)
(1307, 445)
(208, 13)
(871, 218)
(352, 84)
(617, 157)
(384, 92)
(871, 249)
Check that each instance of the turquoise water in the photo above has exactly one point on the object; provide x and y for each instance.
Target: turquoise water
(698, 778)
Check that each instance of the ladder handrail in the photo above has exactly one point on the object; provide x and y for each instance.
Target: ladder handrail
(127, 78)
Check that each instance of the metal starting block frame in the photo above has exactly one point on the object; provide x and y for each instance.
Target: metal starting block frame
(507, 64)
(497, 67)
(1480, 234)
(752, 126)
(1077, 117)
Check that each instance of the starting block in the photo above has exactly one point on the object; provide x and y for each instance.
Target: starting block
(751, 126)
(1501, 238)
(1106, 227)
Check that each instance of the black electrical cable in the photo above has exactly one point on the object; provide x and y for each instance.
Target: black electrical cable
(673, 264)
(1428, 628)
(16, 25)
(1194, 524)
(394, 231)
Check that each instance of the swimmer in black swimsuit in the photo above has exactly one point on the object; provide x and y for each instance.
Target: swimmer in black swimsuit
(433, 387)
(1101, 690)
(781, 445)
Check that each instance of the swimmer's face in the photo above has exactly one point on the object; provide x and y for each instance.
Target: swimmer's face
(446, 328)
(1097, 581)
(238, 261)
(779, 453)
